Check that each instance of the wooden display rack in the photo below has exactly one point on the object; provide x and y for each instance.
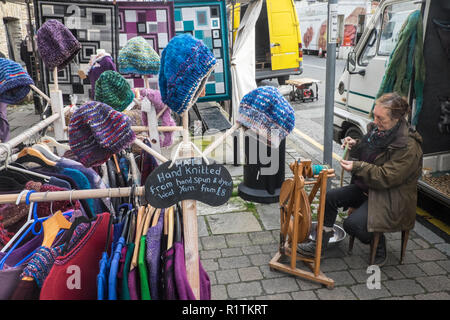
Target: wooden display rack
(295, 221)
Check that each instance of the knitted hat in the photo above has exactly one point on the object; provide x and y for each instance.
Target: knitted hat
(98, 64)
(185, 66)
(112, 88)
(138, 57)
(266, 112)
(14, 82)
(97, 131)
(56, 44)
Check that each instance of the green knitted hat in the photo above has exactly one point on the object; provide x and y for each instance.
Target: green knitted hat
(138, 57)
(112, 89)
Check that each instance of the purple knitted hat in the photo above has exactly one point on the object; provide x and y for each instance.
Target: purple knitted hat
(56, 44)
(97, 131)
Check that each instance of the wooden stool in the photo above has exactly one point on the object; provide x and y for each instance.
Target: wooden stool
(374, 245)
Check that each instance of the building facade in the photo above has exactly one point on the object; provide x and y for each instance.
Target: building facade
(13, 27)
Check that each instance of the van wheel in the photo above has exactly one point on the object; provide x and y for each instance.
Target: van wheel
(282, 80)
(353, 132)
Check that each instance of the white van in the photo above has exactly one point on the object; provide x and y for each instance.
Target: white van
(366, 64)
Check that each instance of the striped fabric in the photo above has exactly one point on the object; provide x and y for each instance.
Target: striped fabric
(14, 82)
(186, 64)
(138, 57)
(114, 90)
(97, 131)
(267, 113)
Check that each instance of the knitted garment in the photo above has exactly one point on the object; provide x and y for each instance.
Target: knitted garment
(56, 44)
(40, 264)
(14, 82)
(186, 64)
(112, 88)
(406, 58)
(62, 282)
(138, 57)
(153, 257)
(154, 96)
(98, 65)
(267, 113)
(97, 131)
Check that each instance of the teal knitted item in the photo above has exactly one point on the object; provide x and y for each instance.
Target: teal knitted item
(112, 89)
(138, 57)
(407, 57)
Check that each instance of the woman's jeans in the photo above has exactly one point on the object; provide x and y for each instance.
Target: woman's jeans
(346, 197)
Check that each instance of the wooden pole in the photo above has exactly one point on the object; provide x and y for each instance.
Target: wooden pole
(59, 125)
(74, 195)
(190, 227)
(43, 95)
(149, 109)
(143, 146)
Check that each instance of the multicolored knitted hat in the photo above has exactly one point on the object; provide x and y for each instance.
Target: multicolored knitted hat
(56, 44)
(138, 57)
(266, 112)
(14, 82)
(112, 88)
(186, 64)
(97, 131)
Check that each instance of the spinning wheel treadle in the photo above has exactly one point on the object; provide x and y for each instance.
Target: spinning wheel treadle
(296, 220)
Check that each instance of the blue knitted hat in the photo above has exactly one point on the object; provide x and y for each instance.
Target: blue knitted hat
(138, 57)
(266, 112)
(14, 82)
(186, 64)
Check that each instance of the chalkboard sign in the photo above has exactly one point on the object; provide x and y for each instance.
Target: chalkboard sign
(188, 179)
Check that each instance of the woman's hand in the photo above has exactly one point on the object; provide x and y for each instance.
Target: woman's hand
(347, 165)
(348, 141)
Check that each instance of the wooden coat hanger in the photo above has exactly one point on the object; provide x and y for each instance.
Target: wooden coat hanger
(141, 216)
(45, 150)
(33, 153)
(170, 225)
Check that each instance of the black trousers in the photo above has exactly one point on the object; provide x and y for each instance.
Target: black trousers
(345, 197)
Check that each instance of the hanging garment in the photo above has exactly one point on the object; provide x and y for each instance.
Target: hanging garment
(148, 163)
(143, 274)
(94, 178)
(79, 268)
(10, 275)
(37, 268)
(125, 295)
(123, 256)
(168, 278)
(153, 257)
(183, 287)
(115, 258)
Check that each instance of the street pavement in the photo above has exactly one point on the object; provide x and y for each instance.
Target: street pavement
(238, 239)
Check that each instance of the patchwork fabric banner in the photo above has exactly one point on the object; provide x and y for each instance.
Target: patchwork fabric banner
(153, 21)
(93, 24)
(206, 20)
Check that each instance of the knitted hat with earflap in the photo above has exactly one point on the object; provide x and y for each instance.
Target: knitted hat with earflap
(267, 113)
(56, 44)
(138, 57)
(97, 131)
(14, 82)
(186, 64)
(114, 90)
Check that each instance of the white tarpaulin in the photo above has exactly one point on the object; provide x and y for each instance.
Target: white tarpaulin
(243, 57)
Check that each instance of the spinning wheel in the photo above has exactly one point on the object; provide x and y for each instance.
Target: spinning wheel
(296, 219)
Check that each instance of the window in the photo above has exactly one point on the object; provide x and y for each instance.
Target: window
(370, 48)
(394, 17)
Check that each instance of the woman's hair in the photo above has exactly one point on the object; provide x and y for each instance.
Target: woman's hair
(395, 103)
